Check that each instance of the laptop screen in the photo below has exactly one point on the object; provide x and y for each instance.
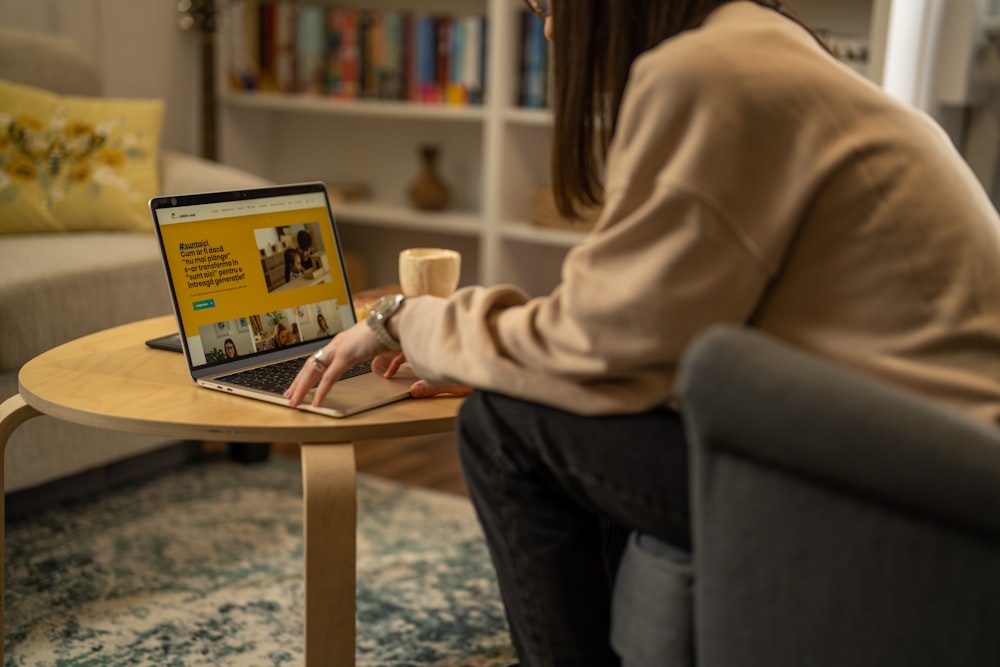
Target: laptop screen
(253, 271)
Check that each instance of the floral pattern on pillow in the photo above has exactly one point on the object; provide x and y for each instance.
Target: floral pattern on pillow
(62, 152)
(75, 163)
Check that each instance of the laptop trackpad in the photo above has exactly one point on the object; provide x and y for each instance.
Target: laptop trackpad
(360, 393)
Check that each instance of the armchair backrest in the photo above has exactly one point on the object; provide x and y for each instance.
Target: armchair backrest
(47, 61)
(749, 395)
(837, 521)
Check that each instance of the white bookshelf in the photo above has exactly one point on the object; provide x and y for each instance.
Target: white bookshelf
(864, 20)
(492, 156)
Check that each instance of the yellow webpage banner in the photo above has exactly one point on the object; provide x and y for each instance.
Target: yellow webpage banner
(218, 269)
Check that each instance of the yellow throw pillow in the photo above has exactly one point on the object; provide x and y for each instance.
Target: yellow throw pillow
(76, 163)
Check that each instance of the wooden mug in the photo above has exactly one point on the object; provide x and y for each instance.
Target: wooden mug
(433, 271)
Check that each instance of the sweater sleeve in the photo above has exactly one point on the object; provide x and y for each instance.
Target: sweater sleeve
(662, 263)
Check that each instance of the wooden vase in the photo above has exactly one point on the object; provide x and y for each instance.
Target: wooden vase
(428, 192)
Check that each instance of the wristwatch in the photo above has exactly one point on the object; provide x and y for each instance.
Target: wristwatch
(379, 314)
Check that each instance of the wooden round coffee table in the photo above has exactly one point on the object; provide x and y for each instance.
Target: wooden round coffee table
(112, 380)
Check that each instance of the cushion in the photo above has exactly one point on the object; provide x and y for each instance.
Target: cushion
(57, 287)
(652, 607)
(70, 163)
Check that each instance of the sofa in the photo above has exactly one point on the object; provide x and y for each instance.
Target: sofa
(836, 522)
(55, 287)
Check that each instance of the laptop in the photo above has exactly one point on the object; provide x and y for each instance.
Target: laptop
(258, 284)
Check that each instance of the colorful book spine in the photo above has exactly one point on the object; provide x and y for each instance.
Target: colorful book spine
(424, 88)
(473, 59)
(392, 52)
(242, 44)
(406, 68)
(334, 65)
(267, 79)
(534, 73)
(310, 49)
(454, 94)
(343, 54)
(370, 40)
(285, 14)
(443, 65)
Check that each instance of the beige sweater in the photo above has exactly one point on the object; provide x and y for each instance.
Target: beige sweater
(753, 180)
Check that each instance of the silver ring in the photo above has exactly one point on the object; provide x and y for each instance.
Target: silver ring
(317, 360)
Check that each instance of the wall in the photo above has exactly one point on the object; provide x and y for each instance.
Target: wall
(136, 45)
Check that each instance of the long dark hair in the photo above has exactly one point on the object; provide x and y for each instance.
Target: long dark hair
(592, 66)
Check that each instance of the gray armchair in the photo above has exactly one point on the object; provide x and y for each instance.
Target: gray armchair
(837, 522)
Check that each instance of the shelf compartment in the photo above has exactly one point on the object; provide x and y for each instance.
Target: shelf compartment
(396, 217)
(379, 250)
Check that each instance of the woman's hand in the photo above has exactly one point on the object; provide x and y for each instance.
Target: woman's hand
(346, 349)
(388, 363)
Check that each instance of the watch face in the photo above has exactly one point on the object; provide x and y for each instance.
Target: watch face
(385, 305)
(384, 302)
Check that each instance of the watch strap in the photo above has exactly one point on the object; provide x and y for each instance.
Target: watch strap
(380, 313)
(382, 334)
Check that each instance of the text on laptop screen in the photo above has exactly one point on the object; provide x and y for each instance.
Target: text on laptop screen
(255, 275)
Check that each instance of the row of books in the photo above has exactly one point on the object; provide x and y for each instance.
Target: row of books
(348, 53)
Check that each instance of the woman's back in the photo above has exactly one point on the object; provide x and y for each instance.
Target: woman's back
(876, 246)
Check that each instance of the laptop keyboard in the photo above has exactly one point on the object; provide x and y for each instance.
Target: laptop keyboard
(275, 378)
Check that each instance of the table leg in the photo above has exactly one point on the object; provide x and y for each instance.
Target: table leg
(13, 412)
(329, 499)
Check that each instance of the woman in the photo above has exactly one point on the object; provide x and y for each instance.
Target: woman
(324, 328)
(230, 349)
(305, 249)
(282, 336)
(746, 176)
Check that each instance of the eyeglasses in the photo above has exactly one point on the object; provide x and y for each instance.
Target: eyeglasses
(540, 8)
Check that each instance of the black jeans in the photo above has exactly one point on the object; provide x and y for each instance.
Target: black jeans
(546, 484)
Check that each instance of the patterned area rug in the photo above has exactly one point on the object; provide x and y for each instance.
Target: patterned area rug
(203, 566)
